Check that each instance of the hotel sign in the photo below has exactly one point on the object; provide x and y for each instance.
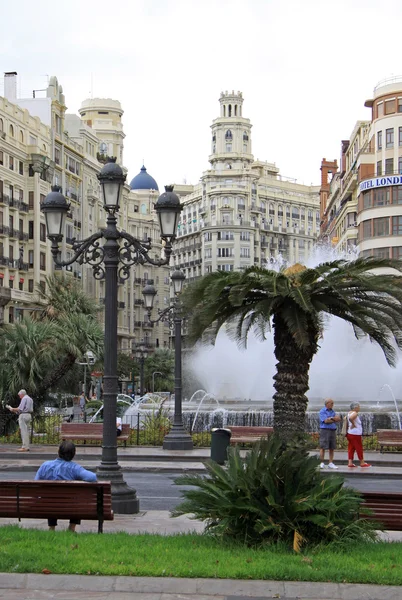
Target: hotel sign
(380, 182)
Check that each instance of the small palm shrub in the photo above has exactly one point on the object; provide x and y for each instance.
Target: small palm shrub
(275, 494)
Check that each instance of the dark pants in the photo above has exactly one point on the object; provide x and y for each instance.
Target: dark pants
(53, 522)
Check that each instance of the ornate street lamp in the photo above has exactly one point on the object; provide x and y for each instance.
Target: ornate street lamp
(109, 261)
(177, 438)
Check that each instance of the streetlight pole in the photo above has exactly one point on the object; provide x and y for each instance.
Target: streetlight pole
(105, 262)
(177, 438)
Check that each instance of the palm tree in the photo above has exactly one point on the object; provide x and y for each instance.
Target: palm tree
(40, 350)
(294, 302)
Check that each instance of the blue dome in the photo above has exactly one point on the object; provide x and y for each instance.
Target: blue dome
(143, 181)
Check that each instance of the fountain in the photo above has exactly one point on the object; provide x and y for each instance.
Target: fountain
(388, 387)
(344, 368)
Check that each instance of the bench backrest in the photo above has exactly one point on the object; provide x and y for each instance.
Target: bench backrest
(58, 499)
(238, 430)
(386, 507)
(389, 434)
(89, 428)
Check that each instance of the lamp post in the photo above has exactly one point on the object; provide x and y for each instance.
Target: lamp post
(141, 355)
(108, 261)
(177, 438)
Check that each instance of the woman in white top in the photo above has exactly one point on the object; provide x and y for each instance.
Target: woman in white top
(354, 436)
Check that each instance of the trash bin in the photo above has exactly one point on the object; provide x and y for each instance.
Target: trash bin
(220, 441)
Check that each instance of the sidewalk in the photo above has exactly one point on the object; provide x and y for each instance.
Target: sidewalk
(80, 587)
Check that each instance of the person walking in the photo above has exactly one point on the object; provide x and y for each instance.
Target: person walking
(64, 469)
(354, 436)
(82, 404)
(328, 421)
(24, 410)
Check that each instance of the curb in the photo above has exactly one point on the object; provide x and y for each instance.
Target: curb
(195, 588)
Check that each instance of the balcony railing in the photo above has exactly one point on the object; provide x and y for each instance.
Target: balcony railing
(4, 230)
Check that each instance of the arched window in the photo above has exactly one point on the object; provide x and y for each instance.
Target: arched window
(245, 137)
(302, 213)
(235, 110)
(214, 138)
(228, 135)
(21, 136)
(143, 209)
(271, 210)
(288, 212)
(44, 147)
(295, 212)
(1, 125)
(11, 130)
(224, 110)
(280, 210)
(229, 110)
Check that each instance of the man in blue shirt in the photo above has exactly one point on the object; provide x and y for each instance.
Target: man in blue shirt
(328, 421)
(64, 469)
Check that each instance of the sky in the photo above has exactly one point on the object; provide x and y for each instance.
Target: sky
(305, 68)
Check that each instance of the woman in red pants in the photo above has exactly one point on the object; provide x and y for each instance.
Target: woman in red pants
(354, 436)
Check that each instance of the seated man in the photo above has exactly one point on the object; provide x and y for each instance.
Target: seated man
(64, 469)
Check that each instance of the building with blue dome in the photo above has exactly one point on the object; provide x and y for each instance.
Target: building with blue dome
(143, 181)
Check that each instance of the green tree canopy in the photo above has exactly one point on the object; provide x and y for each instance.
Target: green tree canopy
(293, 302)
(39, 351)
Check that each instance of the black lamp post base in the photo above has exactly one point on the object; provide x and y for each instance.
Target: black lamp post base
(124, 498)
(178, 439)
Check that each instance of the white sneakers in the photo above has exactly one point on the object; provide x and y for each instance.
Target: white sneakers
(322, 466)
(332, 466)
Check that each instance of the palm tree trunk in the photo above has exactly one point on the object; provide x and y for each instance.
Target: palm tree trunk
(291, 380)
(54, 376)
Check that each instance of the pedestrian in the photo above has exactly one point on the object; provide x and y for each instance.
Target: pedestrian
(354, 436)
(24, 410)
(328, 421)
(119, 426)
(64, 469)
(82, 404)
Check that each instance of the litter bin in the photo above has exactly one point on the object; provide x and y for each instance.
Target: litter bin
(220, 441)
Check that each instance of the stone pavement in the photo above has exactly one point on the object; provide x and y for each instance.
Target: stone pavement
(16, 586)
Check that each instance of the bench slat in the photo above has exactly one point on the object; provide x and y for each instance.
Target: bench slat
(248, 434)
(90, 432)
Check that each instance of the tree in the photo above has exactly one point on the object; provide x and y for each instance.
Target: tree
(39, 351)
(294, 302)
(161, 360)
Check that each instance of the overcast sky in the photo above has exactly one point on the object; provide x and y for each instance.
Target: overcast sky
(305, 68)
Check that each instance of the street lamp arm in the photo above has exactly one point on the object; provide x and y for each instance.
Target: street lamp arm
(135, 251)
(165, 315)
(86, 251)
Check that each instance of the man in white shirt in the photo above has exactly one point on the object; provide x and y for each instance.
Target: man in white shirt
(24, 410)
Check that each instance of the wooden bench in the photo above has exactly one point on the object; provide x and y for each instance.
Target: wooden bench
(90, 432)
(386, 508)
(57, 500)
(389, 437)
(247, 435)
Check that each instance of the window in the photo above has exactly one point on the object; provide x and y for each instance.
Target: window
(1, 157)
(225, 235)
(380, 109)
(366, 229)
(42, 232)
(400, 165)
(399, 105)
(11, 163)
(11, 131)
(57, 156)
(228, 135)
(31, 230)
(244, 252)
(379, 168)
(381, 197)
(30, 200)
(21, 167)
(21, 285)
(381, 252)
(397, 195)
(396, 225)
(1, 125)
(224, 252)
(389, 106)
(400, 136)
(389, 166)
(1, 190)
(30, 259)
(42, 261)
(30, 285)
(225, 267)
(245, 236)
(42, 198)
(228, 147)
(379, 140)
(397, 252)
(381, 227)
(208, 236)
(389, 138)
(11, 314)
(208, 253)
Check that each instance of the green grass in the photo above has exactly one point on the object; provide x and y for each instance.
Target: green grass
(191, 555)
